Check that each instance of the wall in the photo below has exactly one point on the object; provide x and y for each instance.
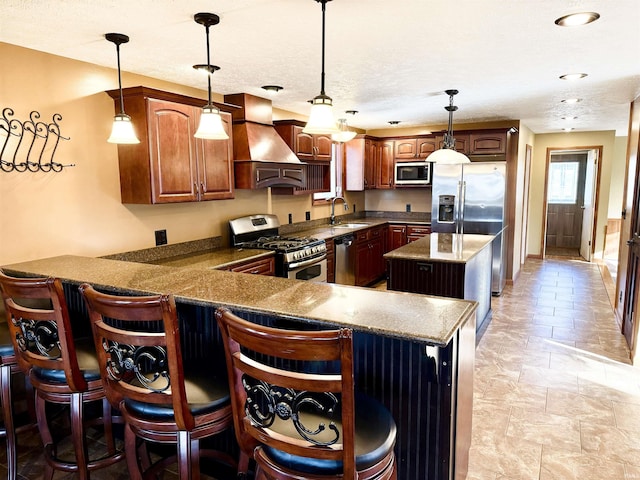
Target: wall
(397, 200)
(538, 172)
(525, 137)
(617, 177)
(78, 211)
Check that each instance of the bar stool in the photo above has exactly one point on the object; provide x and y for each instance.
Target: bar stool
(62, 370)
(8, 368)
(294, 405)
(141, 363)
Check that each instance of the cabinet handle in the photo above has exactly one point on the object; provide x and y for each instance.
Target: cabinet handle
(425, 267)
(201, 187)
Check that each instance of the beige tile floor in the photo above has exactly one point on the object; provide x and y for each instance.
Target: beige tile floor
(555, 396)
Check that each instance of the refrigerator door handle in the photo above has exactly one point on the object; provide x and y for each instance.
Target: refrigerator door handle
(462, 190)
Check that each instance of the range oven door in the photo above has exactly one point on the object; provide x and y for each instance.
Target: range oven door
(314, 270)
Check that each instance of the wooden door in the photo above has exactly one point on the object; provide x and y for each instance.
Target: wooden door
(303, 146)
(215, 165)
(386, 165)
(397, 236)
(588, 206)
(405, 149)
(323, 148)
(426, 146)
(565, 199)
(370, 163)
(172, 152)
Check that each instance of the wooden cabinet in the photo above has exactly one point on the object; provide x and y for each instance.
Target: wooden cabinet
(488, 142)
(461, 142)
(263, 266)
(414, 232)
(331, 261)
(400, 234)
(385, 165)
(370, 264)
(415, 149)
(253, 175)
(169, 164)
(369, 164)
(396, 236)
(307, 147)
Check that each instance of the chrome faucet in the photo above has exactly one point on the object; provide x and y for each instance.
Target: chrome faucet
(332, 218)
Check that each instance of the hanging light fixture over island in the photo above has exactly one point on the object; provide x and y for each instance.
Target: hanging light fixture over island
(448, 154)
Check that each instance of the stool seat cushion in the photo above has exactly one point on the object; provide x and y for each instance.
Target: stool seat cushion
(6, 347)
(87, 361)
(375, 435)
(205, 394)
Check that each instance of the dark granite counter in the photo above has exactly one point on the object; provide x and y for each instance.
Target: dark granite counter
(442, 247)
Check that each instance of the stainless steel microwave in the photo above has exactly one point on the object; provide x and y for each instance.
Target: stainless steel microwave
(413, 173)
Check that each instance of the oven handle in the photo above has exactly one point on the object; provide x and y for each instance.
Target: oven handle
(306, 263)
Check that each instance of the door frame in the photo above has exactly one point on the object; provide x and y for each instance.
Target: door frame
(596, 201)
(525, 208)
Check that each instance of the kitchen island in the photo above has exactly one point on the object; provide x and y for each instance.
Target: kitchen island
(448, 265)
(412, 352)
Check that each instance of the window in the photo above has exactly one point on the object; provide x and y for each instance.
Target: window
(563, 182)
(337, 153)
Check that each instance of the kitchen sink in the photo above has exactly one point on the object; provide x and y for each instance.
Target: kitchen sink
(351, 225)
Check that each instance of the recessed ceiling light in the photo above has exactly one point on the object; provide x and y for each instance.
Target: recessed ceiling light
(576, 19)
(567, 129)
(394, 122)
(571, 100)
(272, 88)
(573, 76)
(569, 119)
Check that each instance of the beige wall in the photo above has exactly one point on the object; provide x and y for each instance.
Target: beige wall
(618, 168)
(78, 211)
(538, 171)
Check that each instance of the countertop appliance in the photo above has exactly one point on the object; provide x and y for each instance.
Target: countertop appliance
(470, 198)
(416, 174)
(301, 258)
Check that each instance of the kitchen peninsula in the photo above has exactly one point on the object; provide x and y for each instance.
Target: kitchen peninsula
(413, 352)
(448, 265)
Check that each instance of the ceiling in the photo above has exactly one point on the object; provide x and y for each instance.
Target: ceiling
(387, 59)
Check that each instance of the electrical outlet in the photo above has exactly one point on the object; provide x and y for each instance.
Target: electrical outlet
(408, 207)
(290, 218)
(354, 208)
(307, 216)
(161, 237)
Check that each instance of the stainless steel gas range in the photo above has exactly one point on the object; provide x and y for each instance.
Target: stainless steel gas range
(300, 258)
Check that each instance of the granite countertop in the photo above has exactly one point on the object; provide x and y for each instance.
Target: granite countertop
(218, 258)
(423, 318)
(442, 247)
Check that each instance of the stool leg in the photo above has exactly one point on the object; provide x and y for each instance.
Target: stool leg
(131, 453)
(187, 451)
(7, 412)
(45, 435)
(108, 426)
(79, 435)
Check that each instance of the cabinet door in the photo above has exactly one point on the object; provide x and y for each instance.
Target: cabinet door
(363, 264)
(303, 145)
(488, 142)
(426, 146)
(173, 159)
(265, 266)
(215, 165)
(377, 260)
(462, 142)
(405, 149)
(370, 164)
(323, 145)
(415, 232)
(385, 172)
(397, 236)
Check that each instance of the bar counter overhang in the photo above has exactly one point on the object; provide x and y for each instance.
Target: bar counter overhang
(415, 353)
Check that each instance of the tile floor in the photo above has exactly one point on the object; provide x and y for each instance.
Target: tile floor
(555, 396)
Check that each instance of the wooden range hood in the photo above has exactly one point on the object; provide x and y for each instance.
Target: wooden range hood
(261, 156)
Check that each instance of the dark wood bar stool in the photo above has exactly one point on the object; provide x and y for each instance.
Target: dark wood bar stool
(9, 430)
(62, 370)
(142, 368)
(294, 405)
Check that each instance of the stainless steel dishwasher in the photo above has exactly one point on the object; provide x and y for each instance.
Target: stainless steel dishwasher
(345, 260)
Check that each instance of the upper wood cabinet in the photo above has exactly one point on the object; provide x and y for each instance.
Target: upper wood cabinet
(488, 142)
(307, 147)
(461, 142)
(415, 149)
(385, 164)
(405, 149)
(169, 164)
(369, 164)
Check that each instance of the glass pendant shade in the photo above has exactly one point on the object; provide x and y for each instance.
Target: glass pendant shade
(321, 119)
(122, 131)
(448, 156)
(211, 127)
(344, 135)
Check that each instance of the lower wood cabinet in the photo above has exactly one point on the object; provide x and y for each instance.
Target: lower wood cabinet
(370, 264)
(331, 261)
(401, 234)
(263, 266)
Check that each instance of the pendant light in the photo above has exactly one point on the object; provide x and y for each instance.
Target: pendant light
(345, 134)
(210, 127)
(122, 131)
(447, 154)
(321, 117)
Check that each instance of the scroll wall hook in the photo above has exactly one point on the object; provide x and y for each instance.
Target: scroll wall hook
(30, 145)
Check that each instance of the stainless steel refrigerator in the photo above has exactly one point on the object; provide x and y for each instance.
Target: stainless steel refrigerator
(470, 198)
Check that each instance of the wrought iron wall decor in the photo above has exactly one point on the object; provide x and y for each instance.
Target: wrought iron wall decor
(30, 145)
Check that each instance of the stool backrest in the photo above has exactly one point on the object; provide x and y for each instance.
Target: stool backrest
(279, 375)
(40, 328)
(138, 344)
